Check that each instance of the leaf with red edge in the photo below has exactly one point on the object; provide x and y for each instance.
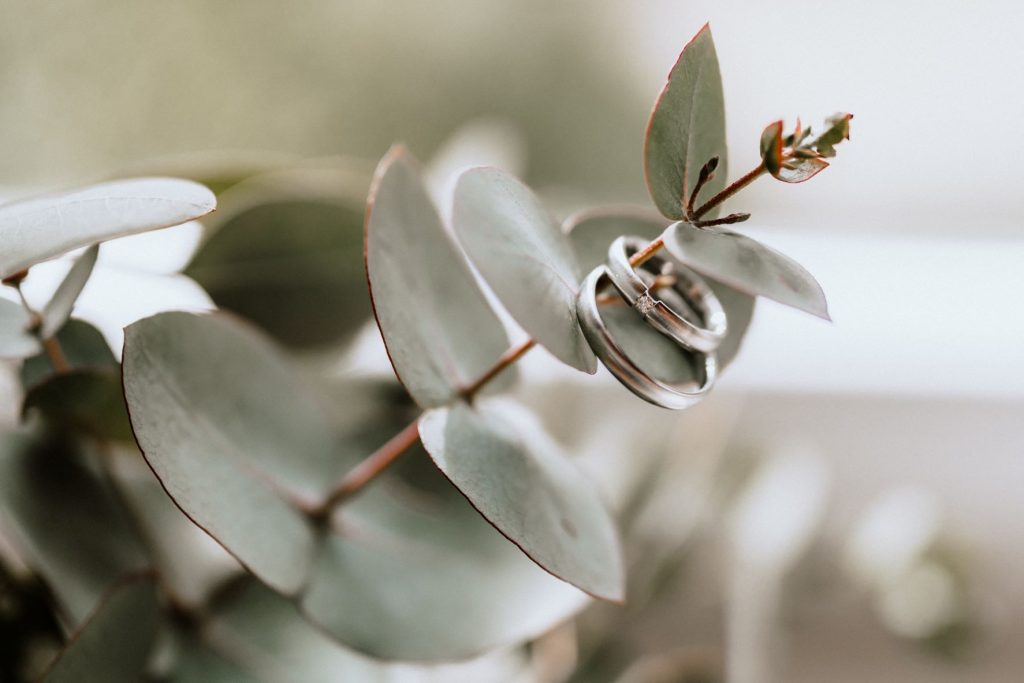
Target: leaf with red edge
(687, 129)
(771, 147)
(747, 265)
(440, 332)
(799, 170)
(518, 478)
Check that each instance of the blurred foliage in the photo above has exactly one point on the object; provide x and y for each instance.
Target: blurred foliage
(95, 83)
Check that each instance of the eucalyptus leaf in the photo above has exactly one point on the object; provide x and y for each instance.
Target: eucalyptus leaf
(58, 309)
(518, 478)
(196, 662)
(771, 147)
(420, 549)
(83, 347)
(799, 170)
(39, 229)
(687, 129)
(115, 644)
(440, 332)
(746, 265)
(837, 129)
(16, 341)
(291, 264)
(69, 523)
(87, 400)
(235, 437)
(591, 233)
(268, 636)
(524, 257)
(192, 566)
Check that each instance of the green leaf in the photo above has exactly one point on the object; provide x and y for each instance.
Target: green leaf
(196, 662)
(799, 170)
(524, 257)
(15, 339)
(70, 525)
(771, 147)
(59, 308)
(115, 644)
(291, 264)
(36, 230)
(416, 547)
(440, 332)
(234, 436)
(84, 347)
(518, 478)
(686, 129)
(270, 638)
(837, 129)
(191, 565)
(746, 265)
(591, 233)
(87, 400)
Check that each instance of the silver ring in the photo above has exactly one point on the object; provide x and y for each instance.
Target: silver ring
(704, 335)
(673, 397)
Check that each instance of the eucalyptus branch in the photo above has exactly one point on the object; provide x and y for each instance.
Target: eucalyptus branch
(729, 191)
(385, 456)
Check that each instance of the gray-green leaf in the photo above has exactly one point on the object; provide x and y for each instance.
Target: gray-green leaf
(15, 339)
(115, 644)
(440, 332)
(687, 129)
(86, 400)
(66, 519)
(291, 264)
(268, 637)
(524, 257)
(233, 434)
(746, 265)
(36, 230)
(431, 555)
(518, 478)
(58, 309)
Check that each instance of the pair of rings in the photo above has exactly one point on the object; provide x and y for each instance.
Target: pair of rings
(688, 313)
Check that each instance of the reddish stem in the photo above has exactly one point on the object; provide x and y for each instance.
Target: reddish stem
(385, 456)
(728, 192)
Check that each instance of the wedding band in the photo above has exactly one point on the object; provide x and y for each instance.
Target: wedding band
(703, 335)
(597, 334)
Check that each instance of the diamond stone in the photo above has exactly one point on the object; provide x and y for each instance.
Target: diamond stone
(644, 304)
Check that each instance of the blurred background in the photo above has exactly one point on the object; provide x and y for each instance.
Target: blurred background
(859, 482)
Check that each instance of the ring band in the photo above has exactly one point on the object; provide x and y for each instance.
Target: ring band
(673, 397)
(705, 335)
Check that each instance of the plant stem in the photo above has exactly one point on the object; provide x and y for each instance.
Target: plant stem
(646, 253)
(729, 191)
(56, 355)
(363, 473)
(51, 346)
(385, 456)
(507, 359)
